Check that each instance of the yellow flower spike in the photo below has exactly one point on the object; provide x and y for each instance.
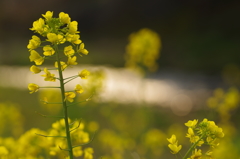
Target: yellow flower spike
(72, 60)
(69, 96)
(34, 42)
(35, 69)
(191, 123)
(48, 50)
(38, 26)
(68, 50)
(84, 73)
(78, 89)
(63, 65)
(33, 87)
(34, 56)
(73, 26)
(48, 76)
(82, 49)
(48, 15)
(64, 18)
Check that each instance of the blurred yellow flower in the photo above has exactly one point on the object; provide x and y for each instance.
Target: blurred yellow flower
(143, 50)
(173, 139)
(69, 96)
(84, 74)
(197, 154)
(78, 89)
(88, 153)
(3, 151)
(35, 69)
(33, 87)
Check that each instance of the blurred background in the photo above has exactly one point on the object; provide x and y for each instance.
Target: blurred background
(200, 53)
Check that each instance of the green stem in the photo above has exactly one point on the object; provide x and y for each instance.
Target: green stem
(64, 103)
(192, 147)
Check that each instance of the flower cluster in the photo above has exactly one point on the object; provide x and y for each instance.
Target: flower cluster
(143, 50)
(59, 34)
(40, 148)
(205, 132)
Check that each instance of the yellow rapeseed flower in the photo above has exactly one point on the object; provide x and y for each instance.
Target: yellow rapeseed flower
(69, 96)
(72, 60)
(78, 89)
(73, 26)
(68, 50)
(48, 50)
(191, 123)
(34, 42)
(48, 76)
(63, 65)
(35, 57)
(82, 49)
(84, 73)
(197, 154)
(55, 38)
(174, 147)
(48, 15)
(75, 39)
(191, 135)
(33, 87)
(173, 139)
(64, 18)
(38, 26)
(35, 69)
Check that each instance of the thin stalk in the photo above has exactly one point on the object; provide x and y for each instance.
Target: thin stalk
(64, 103)
(192, 147)
(74, 77)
